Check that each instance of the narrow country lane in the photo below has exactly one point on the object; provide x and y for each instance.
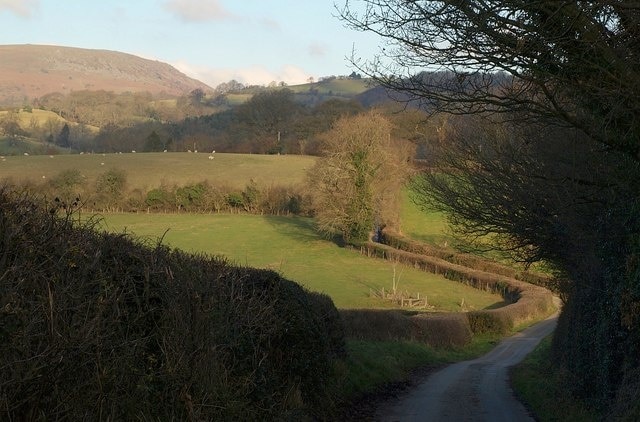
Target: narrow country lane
(475, 390)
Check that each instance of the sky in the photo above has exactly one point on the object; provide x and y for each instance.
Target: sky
(214, 41)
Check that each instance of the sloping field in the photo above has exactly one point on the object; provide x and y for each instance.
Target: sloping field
(149, 170)
(40, 118)
(291, 246)
(345, 87)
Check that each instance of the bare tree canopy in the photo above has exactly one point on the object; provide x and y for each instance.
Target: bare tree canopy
(538, 151)
(356, 184)
(574, 61)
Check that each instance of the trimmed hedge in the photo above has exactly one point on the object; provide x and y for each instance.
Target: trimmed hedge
(398, 241)
(97, 326)
(436, 330)
(527, 301)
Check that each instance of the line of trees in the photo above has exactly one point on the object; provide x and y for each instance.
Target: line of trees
(271, 122)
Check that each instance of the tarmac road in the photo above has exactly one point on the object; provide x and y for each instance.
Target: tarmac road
(475, 390)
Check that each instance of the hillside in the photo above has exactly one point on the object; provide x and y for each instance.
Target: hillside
(30, 71)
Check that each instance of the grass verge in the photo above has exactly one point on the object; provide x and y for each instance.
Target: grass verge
(538, 384)
(376, 368)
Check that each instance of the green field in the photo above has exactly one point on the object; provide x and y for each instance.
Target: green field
(288, 245)
(291, 246)
(150, 170)
(426, 226)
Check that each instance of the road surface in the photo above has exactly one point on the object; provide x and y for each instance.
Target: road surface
(475, 390)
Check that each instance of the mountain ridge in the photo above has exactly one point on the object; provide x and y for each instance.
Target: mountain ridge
(29, 71)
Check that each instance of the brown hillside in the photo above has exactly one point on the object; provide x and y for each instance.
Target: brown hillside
(29, 71)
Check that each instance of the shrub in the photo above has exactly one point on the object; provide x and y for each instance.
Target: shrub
(235, 200)
(160, 199)
(68, 186)
(377, 324)
(489, 321)
(191, 197)
(443, 330)
(110, 188)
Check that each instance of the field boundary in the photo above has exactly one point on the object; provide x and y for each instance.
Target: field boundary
(527, 302)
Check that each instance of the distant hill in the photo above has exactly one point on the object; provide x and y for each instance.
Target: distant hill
(29, 71)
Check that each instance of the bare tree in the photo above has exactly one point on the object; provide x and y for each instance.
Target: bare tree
(570, 62)
(356, 184)
(542, 152)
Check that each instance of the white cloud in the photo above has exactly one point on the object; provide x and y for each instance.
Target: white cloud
(199, 10)
(24, 8)
(254, 75)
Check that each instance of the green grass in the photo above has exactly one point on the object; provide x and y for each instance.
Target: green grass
(539, 385)
(425, 226)
(291, 246)
(150, 170)
(372, 364)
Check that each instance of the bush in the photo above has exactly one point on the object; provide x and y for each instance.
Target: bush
(235, 200)
(191, 197)
(110, 189)
(100, 326)
(491, 321)
(443, 330)
(161, 199)
(67, 185)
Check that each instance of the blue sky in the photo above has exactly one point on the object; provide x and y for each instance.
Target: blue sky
(251, 41)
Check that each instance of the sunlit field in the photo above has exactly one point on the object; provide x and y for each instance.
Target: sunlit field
(424, 225)
(150, 170)
(291, 246)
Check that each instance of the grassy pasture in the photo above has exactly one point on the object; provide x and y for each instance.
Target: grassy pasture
(39, 117)
(346, 87)
(150, 170)
(291, 246)
(429, 227)
(13, 148)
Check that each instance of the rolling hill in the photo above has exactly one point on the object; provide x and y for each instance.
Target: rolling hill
(30, 71)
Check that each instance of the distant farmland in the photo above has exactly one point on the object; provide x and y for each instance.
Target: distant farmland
(149, 170)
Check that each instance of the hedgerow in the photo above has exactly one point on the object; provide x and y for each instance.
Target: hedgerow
(98, 326)
(526, 301)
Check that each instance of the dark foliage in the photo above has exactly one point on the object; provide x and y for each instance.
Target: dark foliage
(549, 166)
(97, 326)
